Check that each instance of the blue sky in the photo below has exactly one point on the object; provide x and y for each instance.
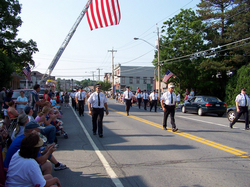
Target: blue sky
(49, 21)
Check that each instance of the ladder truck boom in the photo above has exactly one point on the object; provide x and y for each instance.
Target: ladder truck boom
(64, 44)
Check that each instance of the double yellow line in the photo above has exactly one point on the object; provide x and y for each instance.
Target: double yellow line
(192, 137)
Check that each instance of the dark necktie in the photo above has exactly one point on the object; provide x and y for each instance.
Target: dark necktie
(171, 98)
(98, 99)
(128, 94)
(80, 96)
(245, 100)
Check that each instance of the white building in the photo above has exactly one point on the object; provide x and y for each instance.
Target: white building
(134, 76)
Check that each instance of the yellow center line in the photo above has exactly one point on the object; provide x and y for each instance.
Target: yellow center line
(192, 137)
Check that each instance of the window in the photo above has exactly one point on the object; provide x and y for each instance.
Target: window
(130, 80)
(137, 80)
(123, 80)
(144, 80)
(151, 80)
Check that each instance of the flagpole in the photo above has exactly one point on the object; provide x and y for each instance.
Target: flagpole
(26, 83)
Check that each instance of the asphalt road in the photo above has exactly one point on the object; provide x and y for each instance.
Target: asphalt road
(136, 151)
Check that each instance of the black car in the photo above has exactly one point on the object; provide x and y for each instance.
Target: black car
(231, 114)
(205, 104)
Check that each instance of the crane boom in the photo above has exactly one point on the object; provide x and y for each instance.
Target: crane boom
(64, 44)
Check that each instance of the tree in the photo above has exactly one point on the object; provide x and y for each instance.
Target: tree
(183, 37)
(18, 53)
(106, 85)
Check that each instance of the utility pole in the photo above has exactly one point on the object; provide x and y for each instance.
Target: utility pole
(159, 71)
(113, 76)
(98, 73)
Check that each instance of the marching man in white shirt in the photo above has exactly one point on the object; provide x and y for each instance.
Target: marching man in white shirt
(242, 103)
(139, 98)
(145, 99)
(96, 103)
(168, 104)
(128, 96)
(80, 100)
(153, 98)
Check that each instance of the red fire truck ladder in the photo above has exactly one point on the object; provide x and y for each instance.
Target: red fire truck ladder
(64, 45)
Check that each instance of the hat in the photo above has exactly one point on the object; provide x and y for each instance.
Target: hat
(243, 89)
(27, 109)
(171, 85)
(98, 85)
(40, 142)
(33, 125)
(22, 118)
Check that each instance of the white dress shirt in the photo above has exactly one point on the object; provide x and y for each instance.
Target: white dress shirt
(153, 96)
(139, 95)
(145, 96)
(125, 95)
(93, 99)
(241, 99)
(167, 98)
(80, 96)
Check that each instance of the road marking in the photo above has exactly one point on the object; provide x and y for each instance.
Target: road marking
(105, 163)
(192, 137)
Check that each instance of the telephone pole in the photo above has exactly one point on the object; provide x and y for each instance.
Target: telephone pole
(98, 73)
(113, 75)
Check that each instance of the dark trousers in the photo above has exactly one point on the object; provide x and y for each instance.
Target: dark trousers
(139, 102)
(169, 110)
(127, 105)
(145, 103)
(153, 104)
(243, 110)
(97, 115)
(73, 103)
(81, 107)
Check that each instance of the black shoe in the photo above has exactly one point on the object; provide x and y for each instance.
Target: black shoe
(127, 114)
(165, 128)
(100, 135)
(94, 133)
(247, 128)
(175, 129)
(230, 125)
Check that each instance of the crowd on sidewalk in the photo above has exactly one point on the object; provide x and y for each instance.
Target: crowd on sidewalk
(32, 127)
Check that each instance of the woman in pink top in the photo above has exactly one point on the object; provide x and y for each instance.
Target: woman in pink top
(12, 112)
(41, 118)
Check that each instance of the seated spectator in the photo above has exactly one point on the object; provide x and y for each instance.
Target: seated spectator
(12, 112)
(41, 118)
(29, 112)
(21, 102)
(46, 167)
(24, 170)
(21, 122)
(49, 131)
(54, 104)
(7, 99)
(59, 126)
(46, 96)
(47, 104)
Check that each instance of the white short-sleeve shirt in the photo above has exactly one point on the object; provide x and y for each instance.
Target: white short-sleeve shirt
(167, 98)
(125, 95)
(240, 98)
(153, 96)
(93, 99)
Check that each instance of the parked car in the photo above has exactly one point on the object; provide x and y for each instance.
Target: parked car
(16, 93)
(204, 104)
(231, 114)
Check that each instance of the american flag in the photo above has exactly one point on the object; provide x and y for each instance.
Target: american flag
(102, 13)
(27, 72)
(167, 76)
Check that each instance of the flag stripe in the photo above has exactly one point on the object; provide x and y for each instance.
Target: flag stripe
(103, 13)
(167, 76)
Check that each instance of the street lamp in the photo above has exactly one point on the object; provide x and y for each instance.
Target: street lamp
(179, 82)
(158, 49)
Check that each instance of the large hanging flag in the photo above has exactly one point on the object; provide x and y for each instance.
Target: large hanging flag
(167, 76)
(27, 73)
(103, 13)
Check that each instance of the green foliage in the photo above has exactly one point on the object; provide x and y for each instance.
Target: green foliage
(17, 53)
(106, 85)
(58, 84)
(236, 82)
